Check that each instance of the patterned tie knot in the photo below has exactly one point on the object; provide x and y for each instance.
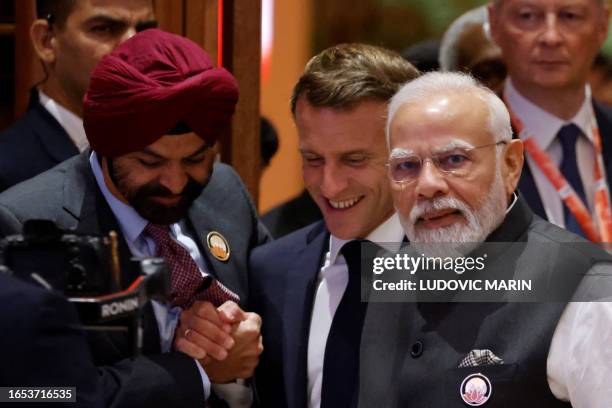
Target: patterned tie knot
(187, 282)
(159, 233)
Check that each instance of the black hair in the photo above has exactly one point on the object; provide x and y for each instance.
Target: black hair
(269, 141)
(56, 12)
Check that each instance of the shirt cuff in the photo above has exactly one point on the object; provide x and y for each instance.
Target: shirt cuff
(205, 380)
(167, 319)
(237, 394)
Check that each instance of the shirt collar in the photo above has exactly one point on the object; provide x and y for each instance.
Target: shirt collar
(389, 232)
(72, 124)
(514, 200)
(130, 222)
(544, 126)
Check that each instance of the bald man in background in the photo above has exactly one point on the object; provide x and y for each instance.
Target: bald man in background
(549, 47)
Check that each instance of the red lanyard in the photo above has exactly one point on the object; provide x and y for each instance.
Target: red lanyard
(566, 192)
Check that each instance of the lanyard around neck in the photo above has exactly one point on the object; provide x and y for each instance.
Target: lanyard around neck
(596, 233)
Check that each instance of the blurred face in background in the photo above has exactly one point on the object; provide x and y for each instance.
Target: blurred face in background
(343, 165)
(479, 56)
(549, 44)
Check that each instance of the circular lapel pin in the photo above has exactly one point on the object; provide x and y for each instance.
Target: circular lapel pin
(475, 390)
(218, 246)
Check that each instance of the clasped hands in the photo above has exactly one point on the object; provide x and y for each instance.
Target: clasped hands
(225, 340)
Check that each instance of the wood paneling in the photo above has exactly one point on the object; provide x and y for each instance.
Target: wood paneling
(201, 24)
(282, 179)
(242, 55)
(28, 69)
(169, 14)
(7, 29)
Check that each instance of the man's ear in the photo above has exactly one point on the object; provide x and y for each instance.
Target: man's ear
(512, 165)
(42, 39)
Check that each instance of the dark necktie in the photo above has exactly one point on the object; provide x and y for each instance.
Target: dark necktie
(568, 136)
(341, 360)
(187, 283)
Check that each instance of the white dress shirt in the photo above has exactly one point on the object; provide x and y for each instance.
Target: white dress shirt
(543, 127)
(72, 124)
(579, 364)
(332, 282)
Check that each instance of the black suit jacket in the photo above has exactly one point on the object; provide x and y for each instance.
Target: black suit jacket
(283, 278)
(69, 196)
(42, 346)
(292, 215)
(527, 185)
(33, 145)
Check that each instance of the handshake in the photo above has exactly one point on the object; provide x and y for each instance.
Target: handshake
(225, 340)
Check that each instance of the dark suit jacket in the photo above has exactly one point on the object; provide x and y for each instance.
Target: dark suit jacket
(296, 213)
(69, 196)
(527, 185)
(282, 278)
(42, 346)
(34, 144)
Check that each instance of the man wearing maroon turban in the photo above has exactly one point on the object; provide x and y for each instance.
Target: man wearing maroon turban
(153, 112)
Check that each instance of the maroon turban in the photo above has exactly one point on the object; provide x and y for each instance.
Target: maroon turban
(150, 84)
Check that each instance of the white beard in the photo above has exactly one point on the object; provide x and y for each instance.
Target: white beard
(459, 238)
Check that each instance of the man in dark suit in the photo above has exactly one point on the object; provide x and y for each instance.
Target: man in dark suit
(549, 48)
(297, 284)
(152, 114)
(69, 37)
(454, 168)
(42, 346)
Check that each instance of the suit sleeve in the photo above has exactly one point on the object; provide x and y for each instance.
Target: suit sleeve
(43, 345)
(165, 380)
(47, 348)
(9, 224)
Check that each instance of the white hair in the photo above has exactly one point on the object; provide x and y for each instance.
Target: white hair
(456, 239)
(448, 56)
(445, 83)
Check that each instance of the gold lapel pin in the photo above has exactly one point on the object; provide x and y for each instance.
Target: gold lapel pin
(218, 246)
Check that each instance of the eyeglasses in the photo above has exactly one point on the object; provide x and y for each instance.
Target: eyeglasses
(457, 161)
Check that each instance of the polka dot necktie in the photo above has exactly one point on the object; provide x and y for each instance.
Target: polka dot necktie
(186, 282)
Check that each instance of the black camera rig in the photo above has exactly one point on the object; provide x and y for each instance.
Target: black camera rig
(86, 269)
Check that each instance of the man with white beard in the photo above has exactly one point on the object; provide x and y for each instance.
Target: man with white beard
(454, 169)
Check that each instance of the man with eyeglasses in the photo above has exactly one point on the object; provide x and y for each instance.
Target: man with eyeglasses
(549, 47)
(454, 170)
(69, 37)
